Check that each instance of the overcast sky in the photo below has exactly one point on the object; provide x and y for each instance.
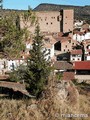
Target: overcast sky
(23, 4)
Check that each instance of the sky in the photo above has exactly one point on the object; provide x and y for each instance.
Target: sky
(23, 4)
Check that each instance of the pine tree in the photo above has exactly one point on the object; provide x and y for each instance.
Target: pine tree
(12, 40)
(38, 69)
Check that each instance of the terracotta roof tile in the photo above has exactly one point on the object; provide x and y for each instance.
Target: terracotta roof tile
(76, 52)
(81, 65)
(63, 65)
(88, 50)
(85, 26)
(67, 76)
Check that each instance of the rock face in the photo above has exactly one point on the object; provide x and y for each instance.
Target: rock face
(65, 92)
(62, 98)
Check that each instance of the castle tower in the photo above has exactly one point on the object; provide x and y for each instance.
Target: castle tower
(67, 20)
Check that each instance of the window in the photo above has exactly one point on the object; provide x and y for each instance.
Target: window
(51, 23)
(79, 55)
(66, 46)
(69, 41)
(47, 40)
(4, 64)
(64, 50)
(78, 59)
(48, 57)
(68, 50)
(49, 51)
(53, 17)
(73, 55)
(73, 59)
(12, 66)
(58, 18)
(72, 43)
(46, 23)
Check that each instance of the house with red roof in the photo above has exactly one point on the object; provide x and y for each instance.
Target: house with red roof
(76, 55)
(82, 70)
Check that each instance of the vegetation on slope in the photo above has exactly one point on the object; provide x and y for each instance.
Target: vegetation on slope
(51, 106)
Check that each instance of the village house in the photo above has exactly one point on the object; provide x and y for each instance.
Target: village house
(78, 24)
(80, 36)
(82, 33)
(82, 70)
(49, 42)
(76, 55)
(63, 46)
(63, 66)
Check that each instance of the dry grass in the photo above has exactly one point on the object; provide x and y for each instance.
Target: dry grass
(43, 110)
(47, 108)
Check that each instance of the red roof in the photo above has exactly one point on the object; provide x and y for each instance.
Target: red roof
(68, 76)
(81, 65)
(76, 52)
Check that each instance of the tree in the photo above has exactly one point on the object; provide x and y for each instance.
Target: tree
(12, 40)
(38, 69)
(35, 74)
(29, 18)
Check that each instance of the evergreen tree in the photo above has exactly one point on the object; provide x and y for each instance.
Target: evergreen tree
(38, 69)
(12, 40)
(12, 37)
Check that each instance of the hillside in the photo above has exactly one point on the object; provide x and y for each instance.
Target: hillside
(58, 101)
(80, 12)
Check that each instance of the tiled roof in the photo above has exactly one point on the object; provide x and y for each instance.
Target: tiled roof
(68, 76)
(63, 39)
(81, 65)
(49, 39)
(86, 41)
(63, 65)
(48, 45)
(88, 50)
(76, 52)
(85, 26)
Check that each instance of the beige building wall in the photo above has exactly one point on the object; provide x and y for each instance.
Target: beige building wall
(52, 21)
(49, 21)
(68, 18)
(67, 45)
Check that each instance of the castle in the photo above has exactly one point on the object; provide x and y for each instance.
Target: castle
(54, 21)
